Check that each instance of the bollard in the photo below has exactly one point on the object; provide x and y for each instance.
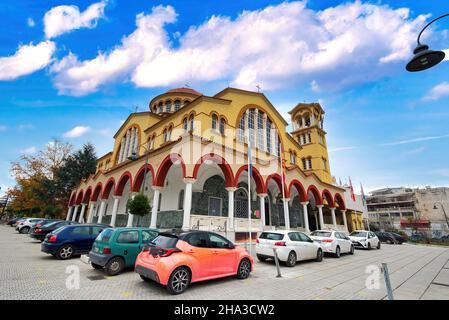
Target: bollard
(276, 260)
(387, 281)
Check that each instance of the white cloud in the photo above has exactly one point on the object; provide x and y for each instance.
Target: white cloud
(439, 91)
(62, 19)
(446, 57)
(343, 148)
(76, 132)
(30, 22)
(30, 150)
(275, 46)
(26, 60)
(413, 140)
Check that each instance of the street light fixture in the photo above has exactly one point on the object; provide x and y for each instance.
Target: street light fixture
(444, 211)
(424, 58)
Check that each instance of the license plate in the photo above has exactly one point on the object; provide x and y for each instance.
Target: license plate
(96, 249)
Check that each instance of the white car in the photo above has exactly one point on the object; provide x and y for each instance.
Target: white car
(364, 239)
(334, 242)
(291, 246)
(25, 225)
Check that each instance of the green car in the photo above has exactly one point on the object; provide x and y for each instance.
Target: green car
(117, 249)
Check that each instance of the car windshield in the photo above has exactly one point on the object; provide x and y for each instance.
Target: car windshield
(271, 236)
(165, 241)
(321, 234)
(360, 234)
(50, 224)
(105, 235)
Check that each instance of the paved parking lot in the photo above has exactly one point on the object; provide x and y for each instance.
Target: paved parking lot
(417, 272)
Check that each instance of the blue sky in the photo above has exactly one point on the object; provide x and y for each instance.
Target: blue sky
(75, 73)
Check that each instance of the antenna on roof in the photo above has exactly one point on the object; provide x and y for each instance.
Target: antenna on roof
(186, 85)
(258, 88)
(136, 108)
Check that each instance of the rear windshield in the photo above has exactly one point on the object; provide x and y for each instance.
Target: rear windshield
(165, 241)
(271, 236)
(358, 234)
(321, 234)
(58, 230)
(50, 224)
(105, 235)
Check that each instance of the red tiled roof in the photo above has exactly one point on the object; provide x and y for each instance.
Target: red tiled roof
(184, 90)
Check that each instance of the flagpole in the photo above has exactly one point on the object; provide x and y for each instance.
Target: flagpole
(282, 184)
(250, 169)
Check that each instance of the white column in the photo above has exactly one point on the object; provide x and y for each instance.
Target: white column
(262, 210)
(320, 213)
(75, 210)
(101, 212)
(91, 211)
(306, 216)
(155, 206)
(343, 212)
(129, 223)
(286, 213)
(187, 203)
(114, 210)
(231, 192)
(69, 213)
(334, 220)
(83, 208)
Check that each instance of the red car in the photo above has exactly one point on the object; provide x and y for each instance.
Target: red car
(178, 259)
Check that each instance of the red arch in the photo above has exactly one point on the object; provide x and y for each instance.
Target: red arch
(260, 186)
(221, 162)
(300, 188)
(125, 177)
(166, 165)
(97, 192)
(87, 195)
(138, 179)
(79, 197)
(340, 201)
(72, 199)
(328, 196)
(315, 193)
(276, 177)
(110, 184)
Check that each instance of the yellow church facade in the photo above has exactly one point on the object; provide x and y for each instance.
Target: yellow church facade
(189, 155)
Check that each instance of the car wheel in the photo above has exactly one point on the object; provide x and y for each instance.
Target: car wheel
(179, 280)
(145, 278)
(319, 255)
(337, 252)
(96, 266)
(389, 241)
(291, 259)
(369, 246)
(378, 245)
(65, 252)
(351, 251)
(261, 258)
(114, 266)
(24, 230)
(244, 269)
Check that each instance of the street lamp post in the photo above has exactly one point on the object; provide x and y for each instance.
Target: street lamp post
(444, 211)
(133, 157)
(423, 57)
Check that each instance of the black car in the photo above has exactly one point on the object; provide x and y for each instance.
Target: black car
(390, 237)
(12, 221)
(39, 233)
(399, 239)
(67, 241)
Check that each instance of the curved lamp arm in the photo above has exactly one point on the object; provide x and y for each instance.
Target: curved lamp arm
(440, 17)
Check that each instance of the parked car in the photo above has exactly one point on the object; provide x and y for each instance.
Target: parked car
(25, 225)
(117, 249)
(364, 239)
(67, 241)
(11, 222)
(39, 233)
(18, 221)
(390, 237)
(400, 239)
(178, 259)
(291, 246)
(333, 242)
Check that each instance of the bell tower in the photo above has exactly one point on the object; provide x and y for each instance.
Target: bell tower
(308, 131)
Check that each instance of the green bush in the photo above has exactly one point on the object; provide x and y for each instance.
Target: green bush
(139, 205)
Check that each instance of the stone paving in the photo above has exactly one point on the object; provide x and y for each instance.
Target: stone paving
(416, 272)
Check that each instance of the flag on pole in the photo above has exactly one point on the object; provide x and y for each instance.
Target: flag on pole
(286, 216)
(363, 194)
(352, 190)
(250, 170)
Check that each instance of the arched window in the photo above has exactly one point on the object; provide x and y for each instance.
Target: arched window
(161, 106)
(214, 121)
(169, 133)
(165, 135)
(185, 124)
(260, 135)
(242, 129)
(128, 144)
(307, 120)
(268, 130)
(168, 106)
(177, 105)
(191, 122)
(251, 126)
(222, 125)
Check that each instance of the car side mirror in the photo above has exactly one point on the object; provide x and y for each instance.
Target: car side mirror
(231, 246)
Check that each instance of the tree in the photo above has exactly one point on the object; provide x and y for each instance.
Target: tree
(139, 206)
